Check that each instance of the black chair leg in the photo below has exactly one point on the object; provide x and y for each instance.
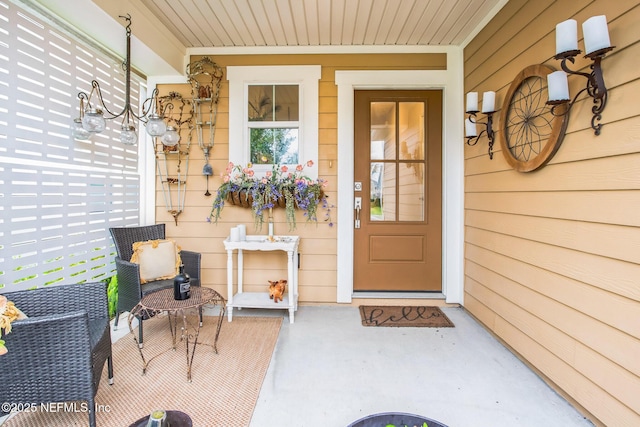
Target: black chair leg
(200, 310)
(92, 412)
(140, 332)
(110, 369)
(115, 321)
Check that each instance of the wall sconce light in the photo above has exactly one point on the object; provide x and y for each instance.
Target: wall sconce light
(470, 124)
(92, 118)
(596, 45)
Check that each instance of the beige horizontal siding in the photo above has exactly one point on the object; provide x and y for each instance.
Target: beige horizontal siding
(553, 256)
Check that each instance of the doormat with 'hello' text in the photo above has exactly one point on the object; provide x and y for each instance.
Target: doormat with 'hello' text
(404, 316)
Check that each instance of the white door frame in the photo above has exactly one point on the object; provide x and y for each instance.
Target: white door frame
(451, 82)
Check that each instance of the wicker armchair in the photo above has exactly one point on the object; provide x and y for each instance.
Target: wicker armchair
(58, 353)
(130, 291)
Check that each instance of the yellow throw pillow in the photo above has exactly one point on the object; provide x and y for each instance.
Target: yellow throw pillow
(8, 313)
(158, 259)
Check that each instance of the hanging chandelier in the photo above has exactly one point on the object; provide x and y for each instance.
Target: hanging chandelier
(92, 117)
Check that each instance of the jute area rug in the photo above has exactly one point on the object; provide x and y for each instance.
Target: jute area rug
(404, 316)
(224, 387)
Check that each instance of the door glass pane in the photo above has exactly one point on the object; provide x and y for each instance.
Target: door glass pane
(383, 191)
(411, 168)
(411, 192)
(383, 130)
(411, 130)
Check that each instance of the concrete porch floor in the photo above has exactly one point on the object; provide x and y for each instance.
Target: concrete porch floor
(329, 370)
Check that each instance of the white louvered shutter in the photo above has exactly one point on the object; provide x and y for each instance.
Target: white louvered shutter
(58, 196)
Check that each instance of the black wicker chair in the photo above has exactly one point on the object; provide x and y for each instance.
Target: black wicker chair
(58, 353)
(130, 291)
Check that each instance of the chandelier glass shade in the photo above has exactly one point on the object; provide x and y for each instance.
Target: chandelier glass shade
(128, 135)
(171, 137)
(93, 120)
(156, 125)
(78, 131)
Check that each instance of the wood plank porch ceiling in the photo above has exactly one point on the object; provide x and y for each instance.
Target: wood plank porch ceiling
(251, 23)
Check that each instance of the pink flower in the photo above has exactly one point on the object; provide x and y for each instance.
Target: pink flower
(250, 172)
(299, 168)
(284, 169)
(226, 178)
(264, 180)
(310, 163)
(269, 174)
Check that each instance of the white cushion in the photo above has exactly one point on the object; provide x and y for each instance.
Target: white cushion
(158, 259)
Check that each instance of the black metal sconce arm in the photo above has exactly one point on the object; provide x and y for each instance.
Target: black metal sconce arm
(473, 140)
(595, 86)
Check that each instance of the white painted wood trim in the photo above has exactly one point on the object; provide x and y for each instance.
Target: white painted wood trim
(451, 81)
(306, 76)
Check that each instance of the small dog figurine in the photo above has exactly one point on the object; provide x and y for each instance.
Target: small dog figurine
(276, 289)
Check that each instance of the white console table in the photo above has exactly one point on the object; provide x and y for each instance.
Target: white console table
(240, 299)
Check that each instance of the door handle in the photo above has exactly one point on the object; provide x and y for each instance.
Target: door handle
(358, 207)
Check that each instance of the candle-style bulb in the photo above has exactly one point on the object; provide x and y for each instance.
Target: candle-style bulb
(567, 36)
(472, 102)
(596, 34)
(470, 128)
(489, 102)
(558, 86)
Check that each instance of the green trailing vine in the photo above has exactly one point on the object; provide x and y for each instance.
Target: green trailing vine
(112, 296)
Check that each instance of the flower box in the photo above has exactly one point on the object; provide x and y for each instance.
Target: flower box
(278, 189)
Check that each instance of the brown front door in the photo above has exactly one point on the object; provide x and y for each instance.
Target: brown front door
(398, 161)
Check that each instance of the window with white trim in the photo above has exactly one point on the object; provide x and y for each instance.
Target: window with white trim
(273, 116)
(59, 196)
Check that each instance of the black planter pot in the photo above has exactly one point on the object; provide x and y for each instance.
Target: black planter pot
(397, 419)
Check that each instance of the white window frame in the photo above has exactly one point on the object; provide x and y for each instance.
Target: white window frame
(306, 77)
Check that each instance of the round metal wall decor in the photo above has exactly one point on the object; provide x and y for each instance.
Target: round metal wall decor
(530, 133)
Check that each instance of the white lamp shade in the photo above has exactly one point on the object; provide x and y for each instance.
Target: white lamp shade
(566, 36)
(93, 121)
(596, 34)
(171, 137)
(470, 128)
(472, 101)
(489, 102)
(128, 135)
(558, 86)
(156, 126)
(78, 132)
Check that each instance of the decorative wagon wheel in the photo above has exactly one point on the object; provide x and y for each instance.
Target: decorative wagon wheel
(531, 134)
